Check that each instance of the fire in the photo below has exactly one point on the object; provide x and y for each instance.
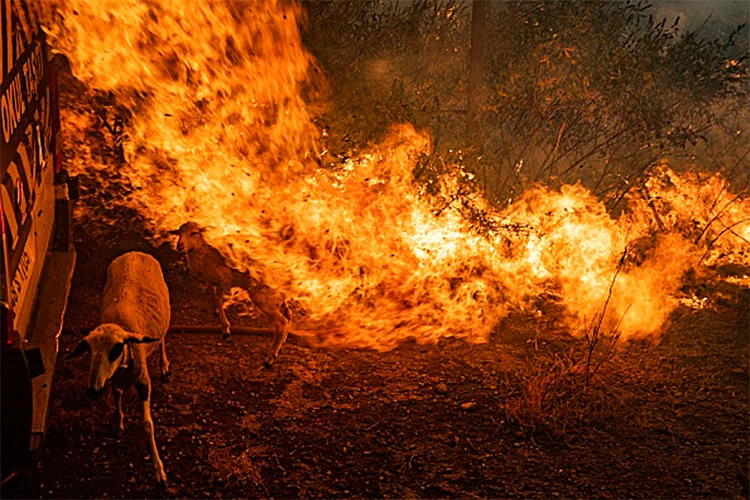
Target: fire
(218, 132)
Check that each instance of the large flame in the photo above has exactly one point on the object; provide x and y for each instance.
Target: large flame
(218, 132)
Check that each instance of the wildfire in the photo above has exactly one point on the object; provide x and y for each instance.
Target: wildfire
(218, 133)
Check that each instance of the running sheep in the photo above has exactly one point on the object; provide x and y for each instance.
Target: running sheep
(135, 317)
(208, 265)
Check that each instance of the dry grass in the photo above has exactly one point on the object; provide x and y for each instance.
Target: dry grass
(238, 466)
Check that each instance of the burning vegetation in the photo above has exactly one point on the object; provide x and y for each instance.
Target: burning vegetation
(208, 106)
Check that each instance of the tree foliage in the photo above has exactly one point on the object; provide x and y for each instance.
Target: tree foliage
(389, 62)
(598, 92)
(590, 91)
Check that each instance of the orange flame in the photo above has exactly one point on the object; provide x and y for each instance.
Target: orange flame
(219, 133)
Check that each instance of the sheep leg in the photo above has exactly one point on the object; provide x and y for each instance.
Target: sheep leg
(148, 426)
(119, 416)
(225, 331)
(165, 372)
(280, 332)
(216, 299)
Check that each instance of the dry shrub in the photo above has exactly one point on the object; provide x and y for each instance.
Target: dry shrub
(552, 393)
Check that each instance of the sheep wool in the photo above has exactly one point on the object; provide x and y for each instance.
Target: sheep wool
(136, 296)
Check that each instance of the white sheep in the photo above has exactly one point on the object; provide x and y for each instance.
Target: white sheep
(208, 265)
(135, 317)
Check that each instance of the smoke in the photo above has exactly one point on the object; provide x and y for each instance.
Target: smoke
(718, 17)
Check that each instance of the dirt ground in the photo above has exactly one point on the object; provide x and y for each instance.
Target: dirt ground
(509, 418)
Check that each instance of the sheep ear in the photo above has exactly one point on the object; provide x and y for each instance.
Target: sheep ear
(140, 339)
(83, 347)
(116, 351)
(174, 232)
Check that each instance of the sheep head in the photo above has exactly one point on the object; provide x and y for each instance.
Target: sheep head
(190, 237)
(106, 343)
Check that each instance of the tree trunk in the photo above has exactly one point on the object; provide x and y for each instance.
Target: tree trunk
(476, 63)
